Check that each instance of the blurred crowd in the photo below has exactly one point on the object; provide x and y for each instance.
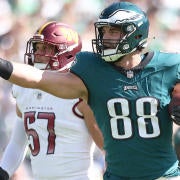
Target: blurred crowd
(20, 18)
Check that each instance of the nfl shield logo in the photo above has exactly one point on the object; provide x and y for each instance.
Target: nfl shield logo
(130, 74)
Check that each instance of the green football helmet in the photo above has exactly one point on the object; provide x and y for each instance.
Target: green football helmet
(131, 21)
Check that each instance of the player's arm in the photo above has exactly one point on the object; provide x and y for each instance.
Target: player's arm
(65, 85)
(174, 105)
(15, 151)
(91, 123)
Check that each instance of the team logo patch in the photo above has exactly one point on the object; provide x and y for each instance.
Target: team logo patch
(38, 94)
(134, 87)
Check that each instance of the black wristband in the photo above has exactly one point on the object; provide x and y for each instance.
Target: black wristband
(6, 69)
(3, 174)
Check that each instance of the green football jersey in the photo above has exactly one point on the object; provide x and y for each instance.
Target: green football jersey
(131, 109)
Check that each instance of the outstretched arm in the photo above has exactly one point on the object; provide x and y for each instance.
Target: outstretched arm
(64, 85)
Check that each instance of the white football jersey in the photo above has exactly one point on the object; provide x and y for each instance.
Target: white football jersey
(58, 139)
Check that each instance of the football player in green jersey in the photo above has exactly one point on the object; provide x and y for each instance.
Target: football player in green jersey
(128, 91)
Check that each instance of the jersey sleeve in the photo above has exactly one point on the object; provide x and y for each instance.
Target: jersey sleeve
(81, 64)
(88, 67)
(165, 61)
(16, 148)
(85, 66)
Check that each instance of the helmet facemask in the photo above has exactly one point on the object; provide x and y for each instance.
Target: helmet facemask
(36, 59)
(116, 47)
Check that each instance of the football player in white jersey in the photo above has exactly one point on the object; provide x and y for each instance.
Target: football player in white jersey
(57, 131)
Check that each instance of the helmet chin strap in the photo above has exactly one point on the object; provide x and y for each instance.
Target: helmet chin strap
(112, 57)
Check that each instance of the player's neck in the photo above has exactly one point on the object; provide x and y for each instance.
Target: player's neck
(129, 61)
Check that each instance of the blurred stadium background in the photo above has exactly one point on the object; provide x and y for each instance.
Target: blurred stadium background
(19, 20)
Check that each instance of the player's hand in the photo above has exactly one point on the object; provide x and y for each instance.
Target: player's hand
(175, 114)
(3, 174)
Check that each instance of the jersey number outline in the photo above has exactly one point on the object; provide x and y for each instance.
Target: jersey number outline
(29, 118)
(143, 120)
